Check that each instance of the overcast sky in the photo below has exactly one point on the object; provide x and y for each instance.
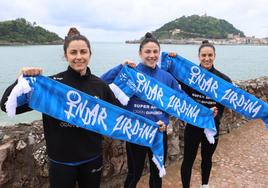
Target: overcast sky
(120, 20)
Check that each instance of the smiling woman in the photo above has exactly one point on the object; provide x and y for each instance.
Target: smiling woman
(207, 55)
(149, 52)
(74, 154)
(78, 52)
(193, 136)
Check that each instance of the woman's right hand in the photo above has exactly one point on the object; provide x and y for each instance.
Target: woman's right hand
(215, 111)
(30, 71)
(130, 63)
(162, 126)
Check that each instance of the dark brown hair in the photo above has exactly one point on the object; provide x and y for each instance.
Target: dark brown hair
(74, 34)
(206, 43)
(148, 38)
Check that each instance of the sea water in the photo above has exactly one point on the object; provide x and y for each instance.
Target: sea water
(238, 62)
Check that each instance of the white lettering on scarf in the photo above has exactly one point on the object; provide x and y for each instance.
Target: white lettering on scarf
(240, 101)
(179, 106)
(151, 92)
(198, 79)
(77, 108)
(130, 129)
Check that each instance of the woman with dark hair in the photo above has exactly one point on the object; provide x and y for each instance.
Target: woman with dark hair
(193, 135)
(75, 154)
(149, 52)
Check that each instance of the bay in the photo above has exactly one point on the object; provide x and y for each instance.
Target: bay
(238, 62)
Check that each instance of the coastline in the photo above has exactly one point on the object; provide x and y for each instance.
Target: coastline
(7, 43)
(197, 41)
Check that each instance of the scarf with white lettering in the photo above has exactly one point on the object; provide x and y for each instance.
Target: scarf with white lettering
(176, 103)
(82, 110)
(215, 87)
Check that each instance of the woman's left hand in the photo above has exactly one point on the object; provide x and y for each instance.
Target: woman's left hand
(162, 126)
(172, 54)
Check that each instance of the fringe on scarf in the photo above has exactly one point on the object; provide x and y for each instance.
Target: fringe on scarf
(162, 170)
(21, 88)
(210, 135)
(119, 94)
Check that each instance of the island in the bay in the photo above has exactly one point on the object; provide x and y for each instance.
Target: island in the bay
(22, 32)
(194, 29)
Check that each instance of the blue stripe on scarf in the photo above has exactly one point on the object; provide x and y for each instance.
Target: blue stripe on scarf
(75, 107)
(176, 103)
(215, 87)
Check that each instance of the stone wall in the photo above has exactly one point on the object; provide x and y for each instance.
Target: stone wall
(23, 160)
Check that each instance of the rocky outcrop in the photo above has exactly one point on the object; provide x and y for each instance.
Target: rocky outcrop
(23, 160)
(257, 87)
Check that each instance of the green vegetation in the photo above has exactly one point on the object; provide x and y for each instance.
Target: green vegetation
(22, 31)
(197, 27)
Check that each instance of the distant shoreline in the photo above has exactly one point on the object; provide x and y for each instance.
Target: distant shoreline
(6, 43)
(200, 43)
(192, 41)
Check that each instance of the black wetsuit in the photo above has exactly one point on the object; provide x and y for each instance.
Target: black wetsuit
(193, 136)
(75, 154)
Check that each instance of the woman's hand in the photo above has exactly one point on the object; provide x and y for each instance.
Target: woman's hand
(162, 126)
(172, 54)
(215, 111)
(31, 71)
(130, 63)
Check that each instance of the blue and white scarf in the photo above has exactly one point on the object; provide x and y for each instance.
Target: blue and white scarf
(215, 87)
(82, 110)
(131, 82)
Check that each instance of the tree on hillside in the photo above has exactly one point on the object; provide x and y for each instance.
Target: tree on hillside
(20, 30)
(197, 26)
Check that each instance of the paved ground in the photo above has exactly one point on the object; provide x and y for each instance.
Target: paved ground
(240, 161)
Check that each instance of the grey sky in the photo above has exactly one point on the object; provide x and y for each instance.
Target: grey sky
(120, 20)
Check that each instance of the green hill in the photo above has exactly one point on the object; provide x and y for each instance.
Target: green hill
(197, 27)
(21, 31)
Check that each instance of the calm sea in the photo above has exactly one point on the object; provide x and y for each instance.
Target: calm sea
(238, 62)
